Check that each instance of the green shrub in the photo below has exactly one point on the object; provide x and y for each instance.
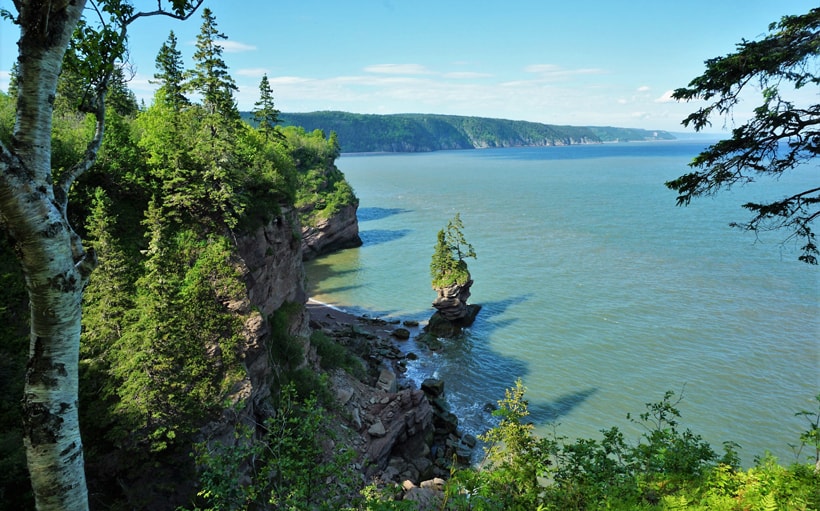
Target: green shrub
(284, 466)
(333, 355)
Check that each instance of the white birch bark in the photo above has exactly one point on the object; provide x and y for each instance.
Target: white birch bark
(56, 266)
(32, 209)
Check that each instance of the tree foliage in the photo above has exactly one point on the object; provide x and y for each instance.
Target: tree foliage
(34, 212)
(170, 75)
(448, 265)
(781, 135)
(264, 112)
(210, 76)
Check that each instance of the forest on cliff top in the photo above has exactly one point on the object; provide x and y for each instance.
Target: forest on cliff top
(175, 185)
(367, 133)
(173, 188)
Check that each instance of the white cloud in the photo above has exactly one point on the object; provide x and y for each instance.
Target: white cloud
(542, 68)
(288, 80)
(236, 47)
(466, 75)
(666, 97)
(398, 69)
(252, 72)
(644, 88)
(552, 72)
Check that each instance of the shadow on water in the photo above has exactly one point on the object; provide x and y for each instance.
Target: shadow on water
(546, 412)
(366, 214)
(497, 308)
(378, 236)
(476, 374)
(322, 272)
(479, 374)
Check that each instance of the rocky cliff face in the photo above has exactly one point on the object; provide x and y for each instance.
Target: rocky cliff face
(339, 231)
(271, 260)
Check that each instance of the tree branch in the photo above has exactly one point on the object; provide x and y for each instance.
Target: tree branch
(161, 12)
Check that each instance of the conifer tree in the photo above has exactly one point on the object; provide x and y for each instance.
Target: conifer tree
(448, 266)
(170, 75)
(106, 297)
(782, 135)
(264, 111)
(210, 76)
(34, 202)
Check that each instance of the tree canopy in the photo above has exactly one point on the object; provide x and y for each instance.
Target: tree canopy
(447, 266)
(34, 195)
(782, 135)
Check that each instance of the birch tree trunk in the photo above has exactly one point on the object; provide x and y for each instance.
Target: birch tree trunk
(56, 267)
(33, 205)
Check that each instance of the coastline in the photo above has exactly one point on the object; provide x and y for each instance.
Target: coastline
(328, 315)
(394, 413)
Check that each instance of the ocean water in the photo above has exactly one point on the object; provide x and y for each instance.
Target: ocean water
(597, 291)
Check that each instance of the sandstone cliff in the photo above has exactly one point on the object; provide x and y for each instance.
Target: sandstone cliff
(271, 262)
(339, 231)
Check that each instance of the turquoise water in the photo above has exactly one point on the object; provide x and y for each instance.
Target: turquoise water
(597, 291)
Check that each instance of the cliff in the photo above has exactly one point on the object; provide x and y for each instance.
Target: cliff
(328, 234)
(271, 263)
(429, 132)
(326, 204)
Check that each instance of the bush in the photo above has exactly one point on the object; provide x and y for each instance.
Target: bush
(283, 465)
(333, 355)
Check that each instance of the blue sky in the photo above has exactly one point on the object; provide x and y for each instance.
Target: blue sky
(570, 62)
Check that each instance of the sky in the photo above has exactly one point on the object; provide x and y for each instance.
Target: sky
(582, 63)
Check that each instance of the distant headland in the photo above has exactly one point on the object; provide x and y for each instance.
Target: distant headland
(367, 133)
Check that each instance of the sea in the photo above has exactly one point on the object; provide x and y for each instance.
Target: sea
(597, 291)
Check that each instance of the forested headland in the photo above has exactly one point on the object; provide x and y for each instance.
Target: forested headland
(204, 383)
(367, 133)
(172, 208)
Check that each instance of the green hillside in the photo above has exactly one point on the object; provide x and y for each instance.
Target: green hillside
(431, 132)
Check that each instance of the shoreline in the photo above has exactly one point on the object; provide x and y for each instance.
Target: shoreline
(392, 353)
(326, 316)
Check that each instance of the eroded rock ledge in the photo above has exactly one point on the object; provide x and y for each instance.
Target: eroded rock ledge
(402, 434)
(338, 232)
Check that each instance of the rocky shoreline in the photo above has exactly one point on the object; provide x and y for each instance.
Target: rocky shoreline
(403, 431)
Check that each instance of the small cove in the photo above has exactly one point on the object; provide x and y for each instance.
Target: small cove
(596, 290)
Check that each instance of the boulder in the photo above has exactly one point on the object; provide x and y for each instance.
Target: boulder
(432, 387)
(377, 429)
(401, 334)
(426, 499)
(387, 381)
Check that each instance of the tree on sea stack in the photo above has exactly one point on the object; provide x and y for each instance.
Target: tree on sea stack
(451, 280)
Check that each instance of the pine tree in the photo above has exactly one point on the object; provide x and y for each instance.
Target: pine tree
(210, 77)
(265, 113)
(170, 75)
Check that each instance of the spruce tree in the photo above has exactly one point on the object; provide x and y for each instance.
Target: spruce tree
(448, 266)
(170, 75)
(107, 296)
(264, 111)
(210, 76)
